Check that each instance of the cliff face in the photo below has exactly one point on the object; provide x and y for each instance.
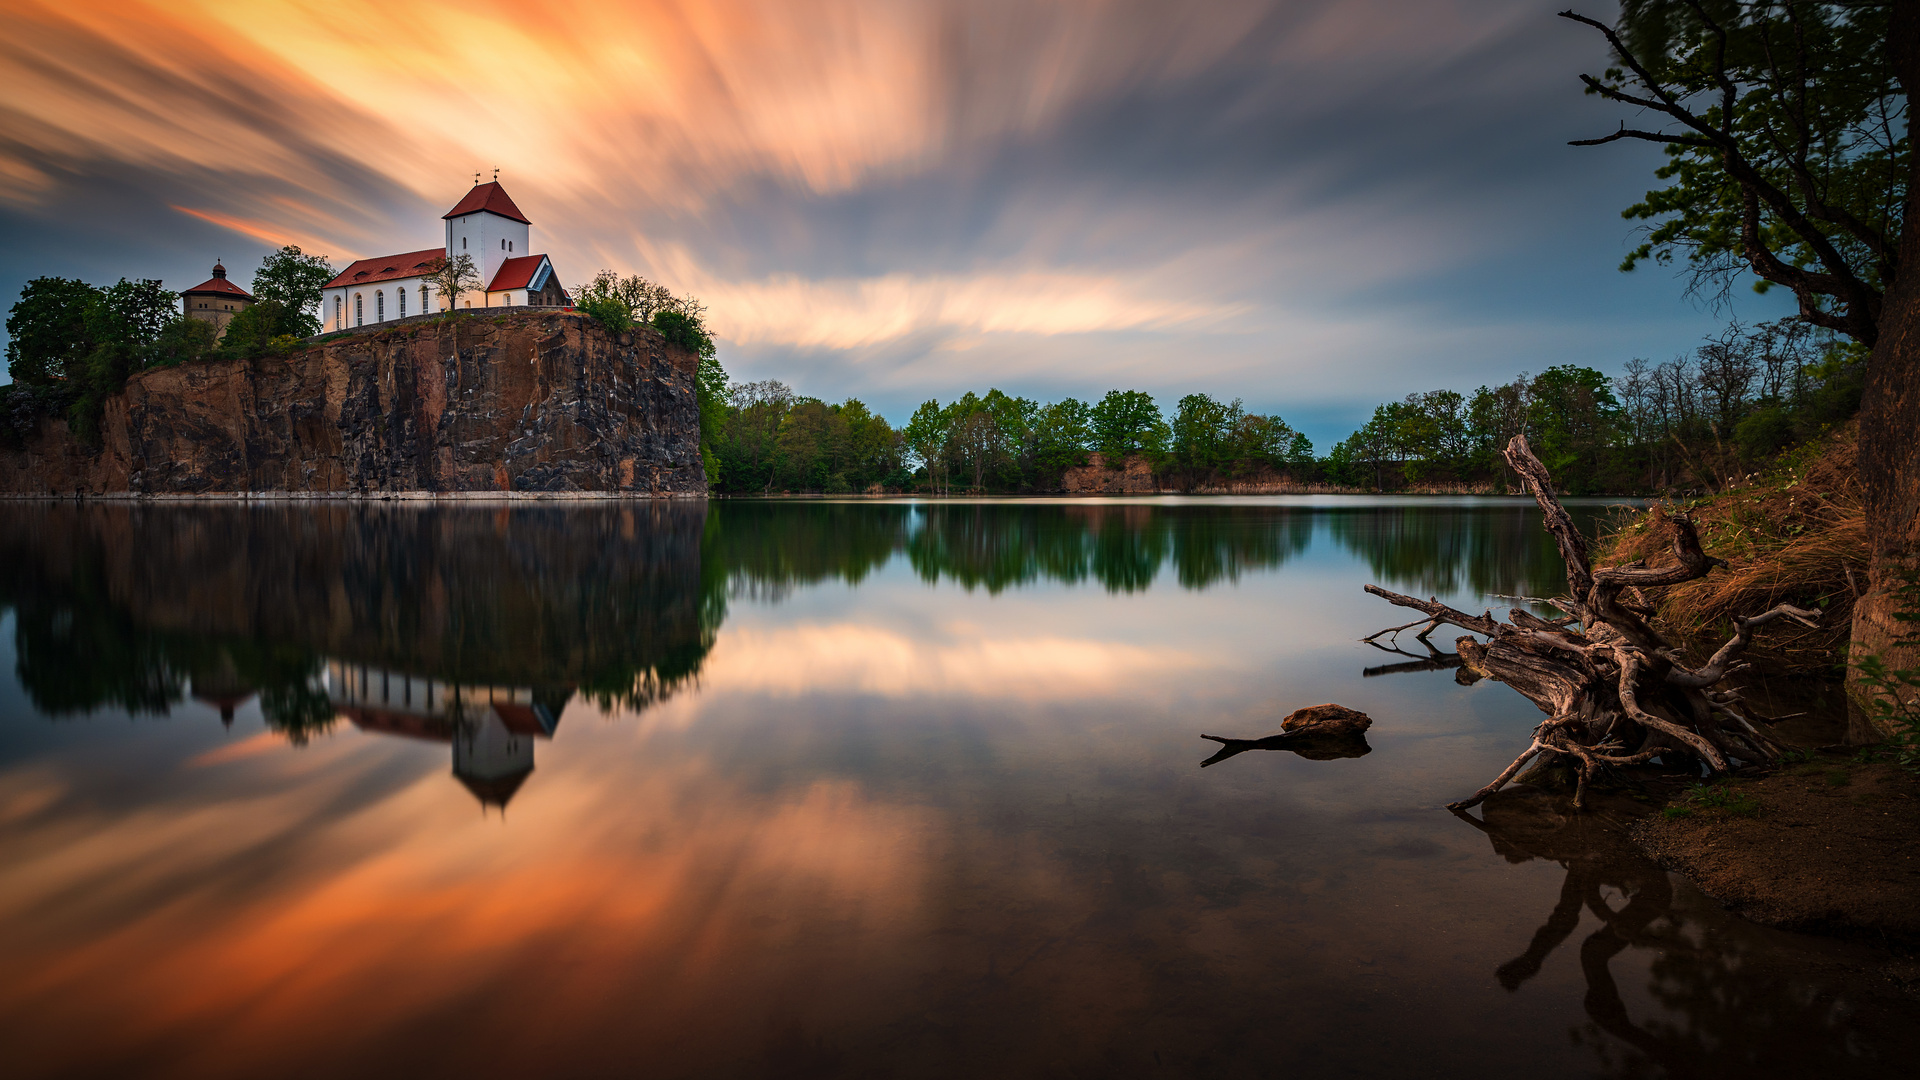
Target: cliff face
(522, 402)
(1132, 477)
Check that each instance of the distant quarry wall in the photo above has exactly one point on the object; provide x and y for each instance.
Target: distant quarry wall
(523, 403)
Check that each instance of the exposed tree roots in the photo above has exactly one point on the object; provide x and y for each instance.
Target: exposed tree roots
(1615, 692)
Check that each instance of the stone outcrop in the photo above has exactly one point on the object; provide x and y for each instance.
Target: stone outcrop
(525, 402)
(1133, 477)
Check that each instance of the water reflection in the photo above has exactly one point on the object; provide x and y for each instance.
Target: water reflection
(1733, 1001)
(1452, 547)
(128, 606)
(866, 789)
(491, 728)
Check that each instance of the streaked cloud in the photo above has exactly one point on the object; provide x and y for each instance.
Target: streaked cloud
(1078, 193)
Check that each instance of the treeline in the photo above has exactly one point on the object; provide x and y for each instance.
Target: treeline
(71, 345)
(1735, 402)
(767, 439)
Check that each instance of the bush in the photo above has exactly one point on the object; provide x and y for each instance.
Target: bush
(1764, 433)
(611, 312)
(184, 340)
(684, 331)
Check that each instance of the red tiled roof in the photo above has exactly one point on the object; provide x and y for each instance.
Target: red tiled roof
(487, 198)
(520, 719)
(218, 286)
(516, 273)
(388, 267)
(389, 722)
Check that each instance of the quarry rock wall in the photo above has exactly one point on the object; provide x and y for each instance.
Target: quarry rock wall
(531, 402)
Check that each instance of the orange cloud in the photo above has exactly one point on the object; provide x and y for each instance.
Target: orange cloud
(265, 231)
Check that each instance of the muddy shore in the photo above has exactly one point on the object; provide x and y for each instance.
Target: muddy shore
(1830, 845)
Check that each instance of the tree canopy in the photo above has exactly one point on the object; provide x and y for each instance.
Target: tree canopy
(1785, 127)
(295, 281)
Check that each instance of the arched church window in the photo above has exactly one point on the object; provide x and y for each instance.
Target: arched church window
(400, 296)
(463, 243)
(339, 317)
(423, 300)
(509, 245)
(359, 310)
(379, 305)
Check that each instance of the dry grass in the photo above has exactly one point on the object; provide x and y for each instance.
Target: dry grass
(1796, 533)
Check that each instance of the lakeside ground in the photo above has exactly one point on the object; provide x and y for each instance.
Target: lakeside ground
(1829, 845)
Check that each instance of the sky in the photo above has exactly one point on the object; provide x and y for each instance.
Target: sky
(1311, 205)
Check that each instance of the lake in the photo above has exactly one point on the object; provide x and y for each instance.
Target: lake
(826, 789)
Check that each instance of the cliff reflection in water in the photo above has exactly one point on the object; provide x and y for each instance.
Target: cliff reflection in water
(470, 627)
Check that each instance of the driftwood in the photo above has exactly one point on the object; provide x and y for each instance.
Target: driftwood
(1614, 690)
(1318, 732)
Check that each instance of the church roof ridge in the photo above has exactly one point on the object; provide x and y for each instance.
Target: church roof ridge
(406, 264)
(487, 198)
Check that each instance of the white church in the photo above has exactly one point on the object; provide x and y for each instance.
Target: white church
(485, 225)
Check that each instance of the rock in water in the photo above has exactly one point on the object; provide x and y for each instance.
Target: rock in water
(1329, 719)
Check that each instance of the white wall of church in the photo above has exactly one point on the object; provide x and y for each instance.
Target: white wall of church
(364, 305)
(489, 238)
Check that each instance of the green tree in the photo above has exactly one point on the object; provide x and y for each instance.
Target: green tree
(1062, 433)
(295, 281)
(266, 327)
(926, 439)
(1573, 420)
(135, 313)
(1127, 422)
(711, 391)
(1786, 125)
(50, 329)
(748, 447)
(684, 331)
(1199, 437)
(182, 341)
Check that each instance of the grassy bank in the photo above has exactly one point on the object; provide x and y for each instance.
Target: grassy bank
(1795, 532)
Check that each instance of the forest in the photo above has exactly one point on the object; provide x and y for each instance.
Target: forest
(1688, 423)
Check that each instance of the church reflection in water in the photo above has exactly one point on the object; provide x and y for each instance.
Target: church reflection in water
(492, 729)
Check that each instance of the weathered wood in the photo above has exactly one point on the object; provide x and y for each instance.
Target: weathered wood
(1607, 679)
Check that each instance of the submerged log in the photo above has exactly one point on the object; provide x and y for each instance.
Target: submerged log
(1615, 691)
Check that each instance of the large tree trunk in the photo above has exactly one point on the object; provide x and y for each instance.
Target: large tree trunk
(1890, 409)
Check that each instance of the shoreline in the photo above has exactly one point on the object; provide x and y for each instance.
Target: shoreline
(344, 496)
(1828, 846)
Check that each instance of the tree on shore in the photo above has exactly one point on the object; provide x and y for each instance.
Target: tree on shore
(1786, 130)
(295, 281)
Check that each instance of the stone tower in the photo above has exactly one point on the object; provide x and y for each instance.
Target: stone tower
(216, 300)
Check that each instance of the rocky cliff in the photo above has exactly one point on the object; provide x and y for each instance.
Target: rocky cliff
(516, 402)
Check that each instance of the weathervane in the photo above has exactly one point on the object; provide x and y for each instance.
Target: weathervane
(496, 174)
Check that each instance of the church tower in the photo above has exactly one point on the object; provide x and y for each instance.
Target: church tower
(487, 226)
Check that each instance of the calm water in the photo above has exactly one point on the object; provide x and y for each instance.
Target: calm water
(822, 790)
